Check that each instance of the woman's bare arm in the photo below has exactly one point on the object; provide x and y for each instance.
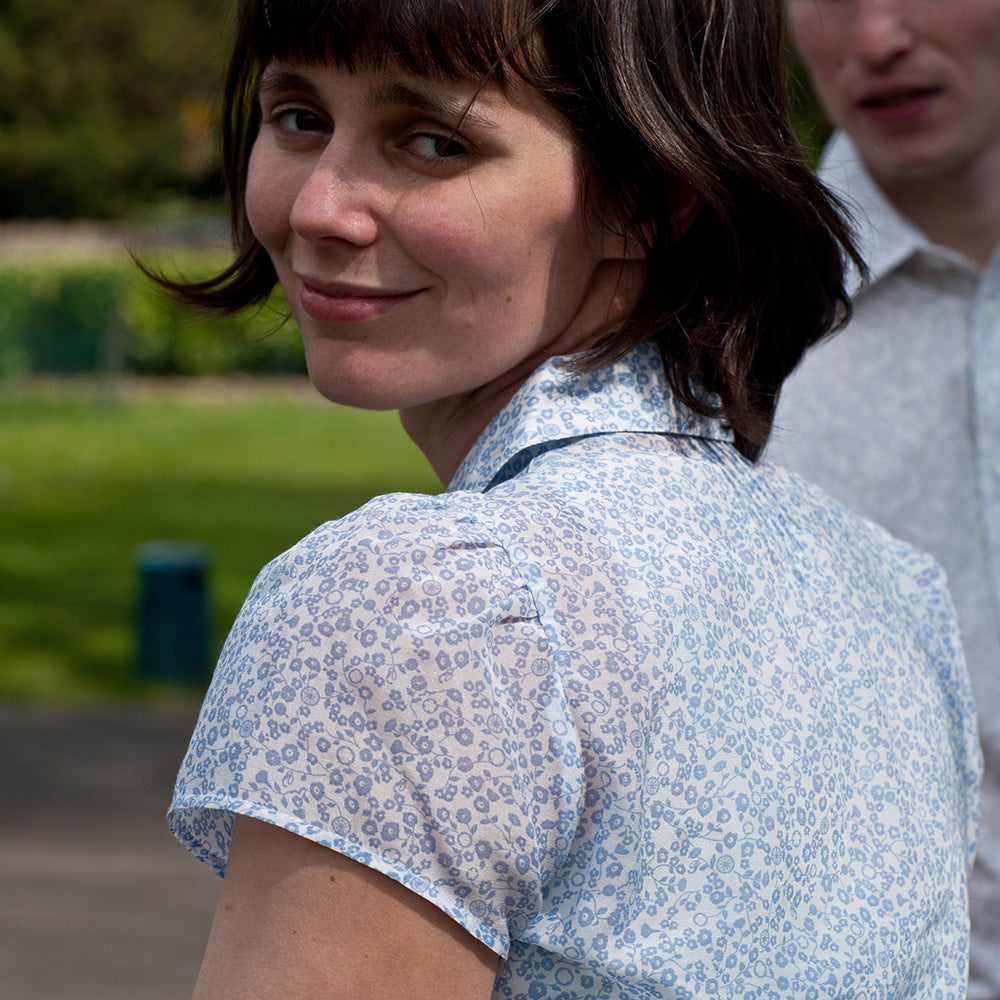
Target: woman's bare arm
(296, 920)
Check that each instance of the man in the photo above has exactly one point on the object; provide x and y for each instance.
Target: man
(899, 415)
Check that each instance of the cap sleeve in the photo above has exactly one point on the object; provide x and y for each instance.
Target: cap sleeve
(387, 691)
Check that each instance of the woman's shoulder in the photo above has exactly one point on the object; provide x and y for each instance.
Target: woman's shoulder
(483, 533)
(832, 538)
(396, 548)
(837, 522)
(386, 521)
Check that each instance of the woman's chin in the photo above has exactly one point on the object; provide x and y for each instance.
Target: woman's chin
(351, 374)
(370, 387)
(359, 396)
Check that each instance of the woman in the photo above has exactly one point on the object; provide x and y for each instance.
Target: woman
(621, 713)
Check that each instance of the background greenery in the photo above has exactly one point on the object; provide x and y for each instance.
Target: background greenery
(242, 466)
(107, 105)
(109, 108)
(99, 313)
(109, 111)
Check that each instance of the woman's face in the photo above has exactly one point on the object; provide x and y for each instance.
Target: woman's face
(425, 252)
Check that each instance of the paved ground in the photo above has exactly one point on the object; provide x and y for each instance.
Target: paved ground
(97, 900)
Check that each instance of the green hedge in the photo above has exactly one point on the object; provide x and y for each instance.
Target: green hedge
(87, 315)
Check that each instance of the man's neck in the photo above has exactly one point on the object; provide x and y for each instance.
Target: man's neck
(959, 210)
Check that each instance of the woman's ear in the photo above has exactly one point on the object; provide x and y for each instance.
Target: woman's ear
(688, 208)
(620, 245)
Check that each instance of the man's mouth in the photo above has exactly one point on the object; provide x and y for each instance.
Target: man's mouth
(897, 98)
(900, 106)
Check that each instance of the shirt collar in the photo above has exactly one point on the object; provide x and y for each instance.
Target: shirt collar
(885, 238)
(554, 406)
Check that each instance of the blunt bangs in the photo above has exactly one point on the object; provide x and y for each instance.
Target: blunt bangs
(471, 39)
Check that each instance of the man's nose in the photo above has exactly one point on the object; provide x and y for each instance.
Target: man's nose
(884, 30)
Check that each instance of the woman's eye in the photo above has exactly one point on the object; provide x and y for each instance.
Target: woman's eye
(436, 147)
(300, 120)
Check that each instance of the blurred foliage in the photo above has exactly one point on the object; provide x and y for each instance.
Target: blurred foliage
(811, 125)
(93, 314)
(107, 106)
(106, 103)
(244, 467)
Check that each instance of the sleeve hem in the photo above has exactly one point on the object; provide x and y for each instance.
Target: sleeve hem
(216, 858)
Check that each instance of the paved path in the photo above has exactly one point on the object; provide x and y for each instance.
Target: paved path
(97, 900)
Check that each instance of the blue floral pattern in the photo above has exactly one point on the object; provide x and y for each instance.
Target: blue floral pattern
(646, 719)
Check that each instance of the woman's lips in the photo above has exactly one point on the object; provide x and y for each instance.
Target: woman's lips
(898, 105)
(345, 303)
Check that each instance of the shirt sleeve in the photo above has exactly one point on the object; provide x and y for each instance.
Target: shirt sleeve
(386, 691)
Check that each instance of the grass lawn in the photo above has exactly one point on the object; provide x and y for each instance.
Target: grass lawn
(245, 468)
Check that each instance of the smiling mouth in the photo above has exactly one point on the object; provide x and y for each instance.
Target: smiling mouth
(343, 303)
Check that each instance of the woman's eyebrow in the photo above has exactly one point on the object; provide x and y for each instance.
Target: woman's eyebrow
(393, 93)
(282, 79)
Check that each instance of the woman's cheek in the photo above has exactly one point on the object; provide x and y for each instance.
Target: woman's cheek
(267, 206)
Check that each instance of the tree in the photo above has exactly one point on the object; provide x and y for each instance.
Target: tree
(105, 104)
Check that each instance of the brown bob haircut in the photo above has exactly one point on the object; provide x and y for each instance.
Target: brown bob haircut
(666, 98)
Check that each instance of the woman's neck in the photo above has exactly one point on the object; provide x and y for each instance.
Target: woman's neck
(446, 429)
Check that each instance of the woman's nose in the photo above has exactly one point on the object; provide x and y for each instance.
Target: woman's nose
(883, 31)
(335, 203)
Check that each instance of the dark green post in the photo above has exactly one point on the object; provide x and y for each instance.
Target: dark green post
(172, 622)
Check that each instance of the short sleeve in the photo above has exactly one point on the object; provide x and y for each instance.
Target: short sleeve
(387, 691)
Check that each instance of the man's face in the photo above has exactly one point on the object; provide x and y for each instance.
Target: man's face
(915, 83)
